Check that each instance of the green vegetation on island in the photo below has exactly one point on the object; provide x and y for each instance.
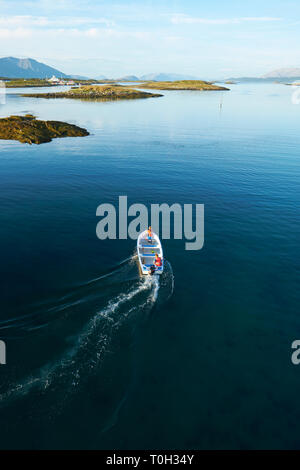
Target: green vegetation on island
(182, 85)
(38, 82)
(27, 129)
(95, 93)
(22, 83)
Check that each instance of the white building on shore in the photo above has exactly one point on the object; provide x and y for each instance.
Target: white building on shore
(54, 80)
(59, 81)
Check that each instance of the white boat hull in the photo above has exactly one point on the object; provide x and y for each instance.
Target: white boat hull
(146, 251)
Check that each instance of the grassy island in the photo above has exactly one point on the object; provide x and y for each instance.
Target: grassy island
(94, 93)
(27, 129)
(22, 83)
(182, 85)
(38, 82)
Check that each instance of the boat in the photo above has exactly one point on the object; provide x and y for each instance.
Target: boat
(146, 250)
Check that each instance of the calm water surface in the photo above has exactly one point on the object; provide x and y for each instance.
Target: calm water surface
(97, 358)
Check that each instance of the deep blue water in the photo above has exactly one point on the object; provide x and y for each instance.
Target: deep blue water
(97, 358)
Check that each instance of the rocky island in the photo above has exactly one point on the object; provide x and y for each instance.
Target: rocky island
(97, 93)
(182, 85)
(28, 129)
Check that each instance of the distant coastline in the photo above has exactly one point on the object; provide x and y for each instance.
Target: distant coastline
(200, 85)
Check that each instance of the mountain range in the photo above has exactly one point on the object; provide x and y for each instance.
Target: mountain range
(100, 77)
(280, 75)
(158, 77)
(283, 73)
(129, 78)
(11, 67)
(166, 77)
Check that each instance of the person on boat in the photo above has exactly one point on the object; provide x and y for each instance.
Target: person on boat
(151, 270)
(150, 234)
(157, 261)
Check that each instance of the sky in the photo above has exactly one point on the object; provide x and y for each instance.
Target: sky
(207, 39)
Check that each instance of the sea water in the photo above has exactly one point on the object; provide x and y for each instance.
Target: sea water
(97, 357)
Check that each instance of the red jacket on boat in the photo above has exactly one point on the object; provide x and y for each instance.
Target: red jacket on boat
(158, 262)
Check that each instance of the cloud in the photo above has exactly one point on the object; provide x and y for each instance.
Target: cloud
(260, 18)
(185, 19)
(64, 33)
(42, 21)
(16, 33)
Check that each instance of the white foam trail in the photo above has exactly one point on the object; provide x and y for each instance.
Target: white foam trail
(156, 287)
(83, 357)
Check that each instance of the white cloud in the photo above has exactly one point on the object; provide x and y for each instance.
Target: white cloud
(64, 33)
(43, 21)
(185, 19)
(16, 33)
(260, 18)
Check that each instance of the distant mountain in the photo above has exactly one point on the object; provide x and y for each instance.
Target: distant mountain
(129, 78)
(79, 77)
(264, 79)
(280, 75)
(100, 77)
(166, 77)
(283, 73)
(11, 67)
(245, 79)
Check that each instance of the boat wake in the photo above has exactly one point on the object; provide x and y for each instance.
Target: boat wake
(84, 323)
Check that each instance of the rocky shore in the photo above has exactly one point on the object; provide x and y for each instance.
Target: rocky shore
(28, 129)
